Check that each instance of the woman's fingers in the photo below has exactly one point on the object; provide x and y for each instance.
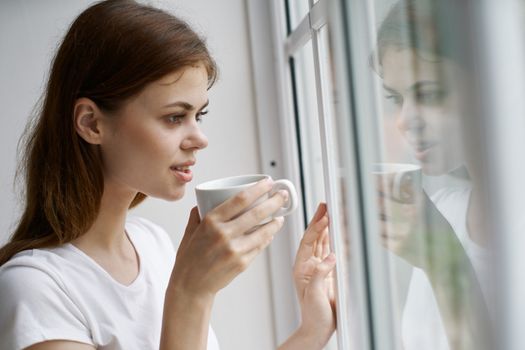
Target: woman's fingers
(321, 272)
(326, 244)
(191, 226)
(319, 213)
(251, 245)
(242, 200)
(193, 221)
(260, 238)
(319, 245)
(259, 213)
(316, 225)
(310, 242)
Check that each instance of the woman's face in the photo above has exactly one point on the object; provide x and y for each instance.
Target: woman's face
(427, 102)
(154, 138)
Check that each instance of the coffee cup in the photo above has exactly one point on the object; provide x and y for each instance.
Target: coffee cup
(212, 193)
(402, 182)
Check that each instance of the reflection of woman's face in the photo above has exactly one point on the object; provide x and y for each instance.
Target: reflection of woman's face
(427, 102)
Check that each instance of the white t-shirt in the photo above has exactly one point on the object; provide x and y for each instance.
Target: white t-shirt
(422, 327)
(61, 293)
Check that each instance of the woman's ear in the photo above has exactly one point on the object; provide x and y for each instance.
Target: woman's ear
(88, 120)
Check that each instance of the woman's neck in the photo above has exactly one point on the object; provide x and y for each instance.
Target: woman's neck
(106, 241)
(476, 228)
(107, 233)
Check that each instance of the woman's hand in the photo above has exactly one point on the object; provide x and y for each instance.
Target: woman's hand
(314, 282)
(414, 229)
(215, 250)
(212, 252)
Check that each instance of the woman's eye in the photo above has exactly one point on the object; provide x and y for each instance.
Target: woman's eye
(431, 97)
(175, 119)
(179, 118)
(395, 99)
(198, 116)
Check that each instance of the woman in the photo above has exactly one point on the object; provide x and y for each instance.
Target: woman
(119, 122)
(427, 77)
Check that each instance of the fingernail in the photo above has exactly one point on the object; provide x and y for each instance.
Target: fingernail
(284, 194)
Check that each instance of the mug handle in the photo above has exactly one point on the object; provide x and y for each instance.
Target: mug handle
(400, 192)
(292, 196)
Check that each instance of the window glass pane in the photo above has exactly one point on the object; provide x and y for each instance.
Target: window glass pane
(308, 127)
(297, 10)
(427, 177)
(422, 180)
(339, 224)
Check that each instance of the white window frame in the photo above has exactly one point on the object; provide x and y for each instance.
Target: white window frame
(280, 158)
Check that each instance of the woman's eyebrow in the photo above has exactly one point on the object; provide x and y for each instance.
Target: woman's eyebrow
(389, 89)
(415, 87)
(187, 106)
(204, 105)
(420, 84)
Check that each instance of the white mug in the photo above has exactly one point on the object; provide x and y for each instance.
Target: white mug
(212, 193)
(402, 181)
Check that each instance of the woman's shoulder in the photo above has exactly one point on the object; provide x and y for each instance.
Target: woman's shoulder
(35, 303)
(451, 193)
(31, 265)
(29, 272)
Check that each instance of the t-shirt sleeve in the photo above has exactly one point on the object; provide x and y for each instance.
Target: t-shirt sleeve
(34, 307)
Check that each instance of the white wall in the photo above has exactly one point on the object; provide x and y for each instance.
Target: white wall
(30, 31)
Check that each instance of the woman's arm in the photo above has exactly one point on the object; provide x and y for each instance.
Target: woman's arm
(186, 321)
(61, 345)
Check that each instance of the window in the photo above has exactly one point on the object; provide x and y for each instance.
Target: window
(296, 11)
(387, 114)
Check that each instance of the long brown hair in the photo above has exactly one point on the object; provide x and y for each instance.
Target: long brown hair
(112, 50)
(433, 28)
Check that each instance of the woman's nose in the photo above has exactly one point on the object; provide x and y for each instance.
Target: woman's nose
(410, 117)
(195, 139)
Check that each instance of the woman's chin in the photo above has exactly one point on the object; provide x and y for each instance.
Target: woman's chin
(170, 196)
(436, 169)
(175, 196)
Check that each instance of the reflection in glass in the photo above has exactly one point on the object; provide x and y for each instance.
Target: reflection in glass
(429, 180)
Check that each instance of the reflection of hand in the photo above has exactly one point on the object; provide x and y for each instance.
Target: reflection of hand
(313, 275)
(215, 250)
(413, 228)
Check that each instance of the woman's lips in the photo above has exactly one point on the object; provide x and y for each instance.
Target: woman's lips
(184, 175)
(421, 151)
(422, 155)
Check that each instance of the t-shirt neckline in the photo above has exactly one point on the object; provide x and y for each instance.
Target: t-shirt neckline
(91, 261)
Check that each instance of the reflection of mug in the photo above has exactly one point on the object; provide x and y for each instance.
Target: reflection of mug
(212, 193)
(402, 182)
